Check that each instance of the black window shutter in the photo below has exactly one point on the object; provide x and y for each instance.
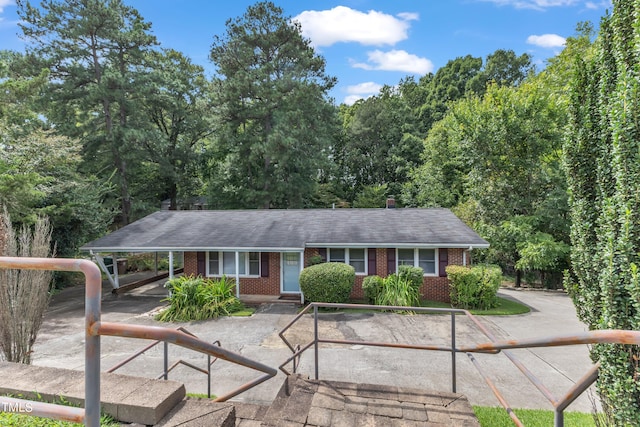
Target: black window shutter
(372, 261)
(391, 260)
(323, 253)
(443, 261)
(264, 264)
(201, 267)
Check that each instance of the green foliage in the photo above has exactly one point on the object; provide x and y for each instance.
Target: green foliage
(98, 76)
(380, 147)
(372, 196)
(146, 262)
(315, 260)
(603, 171)
(415, 275)
(372, 288)
(197, 298)
(327, 282)
(399, 290)
(276, 121)
(474, 287)
(10, 419)
(498, 417)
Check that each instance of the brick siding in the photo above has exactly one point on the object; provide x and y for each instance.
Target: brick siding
(433, 288)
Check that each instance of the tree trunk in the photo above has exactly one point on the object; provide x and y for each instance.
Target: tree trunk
(518, 278)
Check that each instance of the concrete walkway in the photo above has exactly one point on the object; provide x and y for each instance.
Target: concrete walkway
(61, 344)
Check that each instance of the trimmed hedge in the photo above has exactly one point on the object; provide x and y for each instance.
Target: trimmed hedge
(327, 282)
(372, 287)
(474, 287)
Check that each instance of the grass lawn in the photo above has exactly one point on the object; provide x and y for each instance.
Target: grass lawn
(18, 420)
(506, 307)
(498, 417)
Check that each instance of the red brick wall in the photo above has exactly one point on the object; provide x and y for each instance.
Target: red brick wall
(433, 288)
(248, 285)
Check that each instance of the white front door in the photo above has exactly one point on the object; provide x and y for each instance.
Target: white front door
(291, 272)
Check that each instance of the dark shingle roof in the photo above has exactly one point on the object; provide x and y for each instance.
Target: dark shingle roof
(289, 229)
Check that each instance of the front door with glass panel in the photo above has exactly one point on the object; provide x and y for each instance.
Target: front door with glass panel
(291, 272)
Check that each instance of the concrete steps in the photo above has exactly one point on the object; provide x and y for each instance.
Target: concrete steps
(300, 402)
(126, 398)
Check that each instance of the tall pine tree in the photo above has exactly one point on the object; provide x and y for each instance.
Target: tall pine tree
(275, 115)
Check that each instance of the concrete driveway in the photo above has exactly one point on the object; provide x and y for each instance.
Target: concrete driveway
(61, 344)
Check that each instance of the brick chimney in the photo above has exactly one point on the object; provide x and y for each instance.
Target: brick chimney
(391, 202)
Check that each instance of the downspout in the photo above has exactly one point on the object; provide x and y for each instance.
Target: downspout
(237, 274)
(464, 255)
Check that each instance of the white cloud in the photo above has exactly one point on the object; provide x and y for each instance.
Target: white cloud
(396, 60)
(603, 4)
(533, 4)
(361, 91)
(547, 40)
(5, 3)
(352, 99)
(409, 16)
(364, 88)
(343, 24)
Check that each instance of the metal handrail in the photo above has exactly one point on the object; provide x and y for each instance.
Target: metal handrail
(492, 347)
(167, 369)
(94, 328)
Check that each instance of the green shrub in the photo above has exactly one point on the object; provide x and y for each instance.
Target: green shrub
(413, 274)
(372, 287)
(146, 261)
(196, 298)
(315, 260)
(327, 282)
(474, 287)
(399, 290)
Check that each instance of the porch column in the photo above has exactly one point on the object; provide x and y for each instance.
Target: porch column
(301, 268)
(114, 267)
(237, 274)
(170, 265)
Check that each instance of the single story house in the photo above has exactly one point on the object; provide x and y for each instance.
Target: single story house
(265, 250)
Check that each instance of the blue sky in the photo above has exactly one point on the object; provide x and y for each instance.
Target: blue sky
(369, 43)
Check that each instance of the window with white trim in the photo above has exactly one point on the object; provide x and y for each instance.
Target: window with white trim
(423, 258)
(224, 263)
(355, 257)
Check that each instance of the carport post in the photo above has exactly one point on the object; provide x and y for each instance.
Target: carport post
(237, 274)
(301, 268)
(170, 265)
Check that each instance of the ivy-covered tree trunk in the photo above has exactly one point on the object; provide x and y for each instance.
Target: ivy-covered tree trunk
(602, 156)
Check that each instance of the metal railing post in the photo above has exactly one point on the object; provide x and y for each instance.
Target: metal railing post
(166, 360)
(93, 296)
(315, 337)
(209, 376)
(453, 352)
(558, 417)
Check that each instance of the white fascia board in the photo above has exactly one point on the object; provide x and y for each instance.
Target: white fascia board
(182, 249)
(399, 245)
